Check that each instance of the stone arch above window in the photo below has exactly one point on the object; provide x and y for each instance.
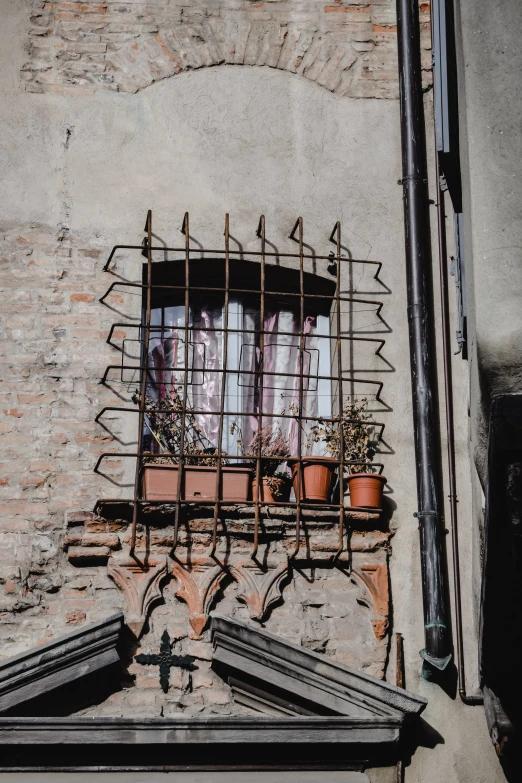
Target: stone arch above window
(319, 56)
(348, 47)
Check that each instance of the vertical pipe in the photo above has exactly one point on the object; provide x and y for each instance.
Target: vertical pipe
(450, 432)
(181, 461)
(437, 633)
(143, 383)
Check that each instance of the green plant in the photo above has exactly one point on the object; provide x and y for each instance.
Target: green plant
(358, 444)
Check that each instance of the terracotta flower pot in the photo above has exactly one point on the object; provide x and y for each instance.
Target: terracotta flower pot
(316, 478)
(266, 494)
(366, 489)
(160, 482)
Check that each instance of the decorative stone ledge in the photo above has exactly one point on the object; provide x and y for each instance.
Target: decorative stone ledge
(95, 540)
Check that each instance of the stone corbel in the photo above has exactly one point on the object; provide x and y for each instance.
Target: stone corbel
(198, 585)
(373, 581)
(258, 589)
(140, 583)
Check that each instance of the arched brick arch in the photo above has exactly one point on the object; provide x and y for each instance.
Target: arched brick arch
(348, 46)
(320, 57)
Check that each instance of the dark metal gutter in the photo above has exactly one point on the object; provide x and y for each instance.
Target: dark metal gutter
(439, 10)
(437, 631)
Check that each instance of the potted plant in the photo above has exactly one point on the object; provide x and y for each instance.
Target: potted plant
(164, 419)
(274, 485)
(314, 481)
(365, 486)
(316, 478)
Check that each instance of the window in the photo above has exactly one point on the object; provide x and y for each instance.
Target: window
(263, 360)
(241, 361)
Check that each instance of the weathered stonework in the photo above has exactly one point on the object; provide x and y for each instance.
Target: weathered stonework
(338, 608)
(347, 46)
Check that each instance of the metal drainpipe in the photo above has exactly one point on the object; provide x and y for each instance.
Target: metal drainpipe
(437, 632)
(469, 699)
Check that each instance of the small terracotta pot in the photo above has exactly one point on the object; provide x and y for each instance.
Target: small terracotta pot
(316, 478)
(266, 495)
(160, 482)
(366, 489)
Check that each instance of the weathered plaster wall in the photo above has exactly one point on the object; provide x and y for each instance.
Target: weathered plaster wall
(491, 150)
(80, 173)
(492, 147)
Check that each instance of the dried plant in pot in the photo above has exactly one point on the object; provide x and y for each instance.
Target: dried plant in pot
(160, 475)
(312, 476)
(274, 447)
(364, 484)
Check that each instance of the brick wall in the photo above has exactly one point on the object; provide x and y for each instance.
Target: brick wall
(62, 567)
(53, 339)
(347, 46)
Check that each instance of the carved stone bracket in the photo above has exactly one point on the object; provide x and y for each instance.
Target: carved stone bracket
(140, 583)
(198, 585)
(372, 578)
(258, 589)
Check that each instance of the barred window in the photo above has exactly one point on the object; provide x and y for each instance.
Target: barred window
(240, 377)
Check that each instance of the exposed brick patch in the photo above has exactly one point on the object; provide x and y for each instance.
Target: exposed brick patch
(348, 47)
(49, 393)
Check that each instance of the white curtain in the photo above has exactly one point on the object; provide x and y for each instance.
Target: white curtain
(281, 368)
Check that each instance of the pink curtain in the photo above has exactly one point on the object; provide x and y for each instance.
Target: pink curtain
(281, 357)
(281, 389)
(205, 355)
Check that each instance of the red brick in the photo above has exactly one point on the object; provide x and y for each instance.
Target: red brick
(31, 399)
(82, 297)
(75, 617)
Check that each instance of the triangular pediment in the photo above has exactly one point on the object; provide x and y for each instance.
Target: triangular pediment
(273, 676)
(62, 662)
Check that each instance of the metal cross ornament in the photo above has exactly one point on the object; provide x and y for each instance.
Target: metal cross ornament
(165, 659)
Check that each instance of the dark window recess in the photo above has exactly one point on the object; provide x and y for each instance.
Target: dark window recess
(446, 104)
(236, 341)
(446, 107)
(458, 270)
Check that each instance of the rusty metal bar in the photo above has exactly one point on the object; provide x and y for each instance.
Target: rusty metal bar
(351, 338)
(299, 224)
(268, 292)
(340, 392)
(259, 477)
(223, 385)
(181, 470)
(380, 384)
(120, 282)
(241, 253)
(108, 454)
(399, 681)
(143, 382)
(340, 258)
(253, 413)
